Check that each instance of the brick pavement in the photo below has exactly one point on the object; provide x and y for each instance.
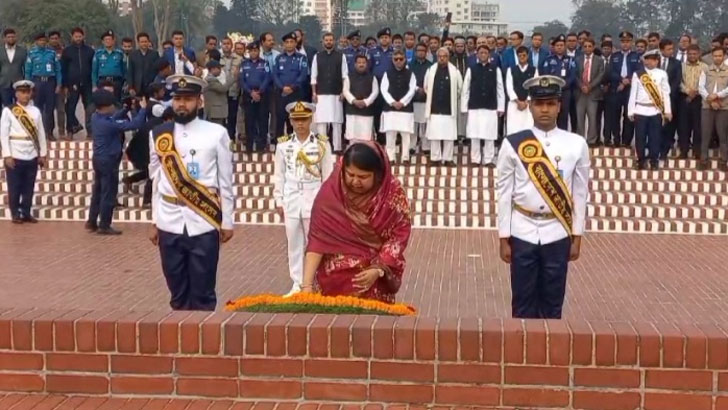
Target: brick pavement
(621, 277)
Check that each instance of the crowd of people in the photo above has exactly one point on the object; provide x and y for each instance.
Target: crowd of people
(374, 103)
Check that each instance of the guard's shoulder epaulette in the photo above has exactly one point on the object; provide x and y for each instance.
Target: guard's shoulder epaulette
(284, 138)
(322, 138)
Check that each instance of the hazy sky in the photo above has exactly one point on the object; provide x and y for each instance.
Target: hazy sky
(524, 14)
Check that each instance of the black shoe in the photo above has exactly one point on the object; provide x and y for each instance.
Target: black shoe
(29, 219)
(17, 220)
(490, 165)
(640, 165)
(119, 205)
(434, 163)
(683, 155)
(655, 165)
(108, 232)
(703, 166)
(450, 164)
(91, 227)
(146, 205)
(75, 129)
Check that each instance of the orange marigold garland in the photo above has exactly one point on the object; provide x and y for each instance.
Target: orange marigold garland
(317, 303)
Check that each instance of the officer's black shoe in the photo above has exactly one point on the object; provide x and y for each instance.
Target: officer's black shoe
(16, 220)
(108, 232)
(450, 164)
(29, 219)
(75, 129)
(655, 165)
(640, 165)
(683, 155)
(703, 166)
(91, 227)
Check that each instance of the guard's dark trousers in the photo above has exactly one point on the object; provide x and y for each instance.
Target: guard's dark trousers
(105, 189)
(538, 278)
(648, 137)
(190, 268)
(21, 181)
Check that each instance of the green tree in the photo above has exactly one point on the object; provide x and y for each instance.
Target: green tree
(551, 29)
(598, 16)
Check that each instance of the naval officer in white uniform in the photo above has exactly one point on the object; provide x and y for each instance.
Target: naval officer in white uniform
(24, 149)
(192, 202)
(303, 161)
(543, 189)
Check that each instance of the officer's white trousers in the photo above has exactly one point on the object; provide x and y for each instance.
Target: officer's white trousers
(322, 129)
(441, 150)
(297, 234)
(392, 145)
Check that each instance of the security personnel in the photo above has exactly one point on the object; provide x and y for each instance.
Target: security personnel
(44, 69)
(623, 64)
(355, 49)
(543, 188)
(289, 75)
(192, 205)
(559, 64)
(109, 64)
(381, 61)
(23, 141)
(107, 125)
(255, 80)
(303, 161)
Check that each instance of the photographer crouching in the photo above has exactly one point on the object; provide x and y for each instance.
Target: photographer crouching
(137, 152)
(107, 126)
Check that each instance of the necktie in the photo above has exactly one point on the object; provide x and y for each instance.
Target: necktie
(624, 65)
(664, 63)
(587, 70)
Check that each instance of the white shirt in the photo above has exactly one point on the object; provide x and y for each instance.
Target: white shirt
(294, 186)
(500, 91)
(510, 89)
(704, 92)
(515, 186)
(682, 56)
(10, 51)
(640, 102)
(22, 149)
(179, 65)
(314, 69)
(211, 146)
(407, 97)
(346, 92)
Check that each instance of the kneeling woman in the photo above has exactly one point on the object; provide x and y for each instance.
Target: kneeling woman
(360, 227)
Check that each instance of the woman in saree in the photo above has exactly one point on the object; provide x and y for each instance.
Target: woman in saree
(360, 227)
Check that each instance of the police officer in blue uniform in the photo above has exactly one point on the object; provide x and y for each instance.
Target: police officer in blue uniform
(255, 80)
(107, 126)
(355, 49)
(381, 61)
(623, 64)
(44, 69)
(561, 65)
(289, 75)
(108, 64)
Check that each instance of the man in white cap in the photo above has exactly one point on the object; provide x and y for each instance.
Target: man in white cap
(650, 108)
(192, 206)
(303, 161)
(543, 189)
(23, 141)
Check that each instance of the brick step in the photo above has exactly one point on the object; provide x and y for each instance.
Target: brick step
(602, 204)
(421, 220)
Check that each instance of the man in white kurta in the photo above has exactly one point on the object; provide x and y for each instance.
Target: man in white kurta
(360, 92)
(443, 83)
(484, 100)
(303, 161)
(328, 71)
(24, 150)
(518, 117)
(398, 89)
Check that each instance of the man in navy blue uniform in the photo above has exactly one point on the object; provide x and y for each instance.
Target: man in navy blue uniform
(623, 64)
(562, 66)
(355, 49)
(255, 79)
(107, 125)
(289, 75)
(381, 61)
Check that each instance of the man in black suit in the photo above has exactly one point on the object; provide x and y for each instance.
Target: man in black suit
(141, 71)
(12, 61)
(76, 61)
(673, 67)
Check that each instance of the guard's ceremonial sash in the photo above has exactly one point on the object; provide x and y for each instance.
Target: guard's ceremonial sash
(195, 195)
(652, 90)
(27, 123)
(544, 176)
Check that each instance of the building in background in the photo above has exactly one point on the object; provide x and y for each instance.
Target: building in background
(322, 9)
(356, 15)
(471, 16)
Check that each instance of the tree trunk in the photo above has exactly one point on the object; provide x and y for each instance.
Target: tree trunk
(137, 17)
(162, 11)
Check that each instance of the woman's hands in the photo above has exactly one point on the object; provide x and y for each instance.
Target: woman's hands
(364, 280)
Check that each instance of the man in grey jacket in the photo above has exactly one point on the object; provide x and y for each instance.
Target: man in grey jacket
(589, 76)
(12, 61)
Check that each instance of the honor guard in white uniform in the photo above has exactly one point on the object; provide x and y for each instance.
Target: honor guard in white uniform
(192, 202)
(24, 148)
(543, 189)
(303, 161)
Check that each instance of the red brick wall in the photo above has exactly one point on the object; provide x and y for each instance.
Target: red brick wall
(496, 363)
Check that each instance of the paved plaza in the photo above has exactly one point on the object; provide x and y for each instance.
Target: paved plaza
(450, 273)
